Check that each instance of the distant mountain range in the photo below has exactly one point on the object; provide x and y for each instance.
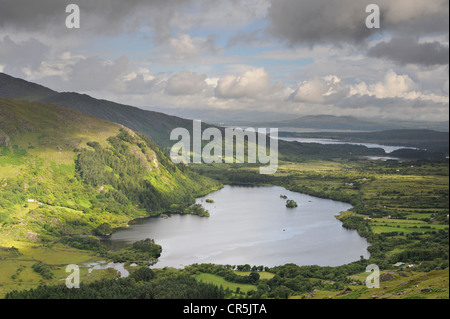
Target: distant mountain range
(344, 123)
(421, 139)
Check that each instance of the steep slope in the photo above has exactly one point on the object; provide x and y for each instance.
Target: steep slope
(157, 126)
(63, 172)
(11, 87)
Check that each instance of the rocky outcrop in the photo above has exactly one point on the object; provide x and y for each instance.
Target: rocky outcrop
(386, 277)
(4, 139)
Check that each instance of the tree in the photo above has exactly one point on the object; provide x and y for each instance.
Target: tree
(143, 274)
(103, 230)
(291, 203)
(281, 292)
(254, 277)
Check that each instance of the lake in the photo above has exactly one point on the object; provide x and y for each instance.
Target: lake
(324, 141)
(251, 225)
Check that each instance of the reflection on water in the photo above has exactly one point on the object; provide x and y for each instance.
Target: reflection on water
(251, 225)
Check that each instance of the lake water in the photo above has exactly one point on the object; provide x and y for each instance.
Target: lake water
(251, 225)
(382, 158)
(388, 149)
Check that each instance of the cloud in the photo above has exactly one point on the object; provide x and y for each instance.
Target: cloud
(186, 83)
(415, 17)
(230, 51)
(17, 56)
(395, 96)
(312, 22)
(318, 21)
(94, 73)
(252, 84)
(396, 86)
(323, 90)
(137, 83)
(184, 45)
(409, 51)
(391, 108)
(104, 17)
(393, 85)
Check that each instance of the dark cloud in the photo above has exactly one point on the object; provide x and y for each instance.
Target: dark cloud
(409, 51)
(318, 21)
(98, 17)
(18, 55)
(30, 15)
(313, 22)
(415, 17)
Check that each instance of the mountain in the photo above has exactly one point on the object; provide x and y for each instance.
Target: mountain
(63, 172)
(349, 123)
(155, 125)
(421, 139)
(19, 89)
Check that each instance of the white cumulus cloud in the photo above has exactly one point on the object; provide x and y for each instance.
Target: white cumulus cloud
(252, 84)
(320, 90)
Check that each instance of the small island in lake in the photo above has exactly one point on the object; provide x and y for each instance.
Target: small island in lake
(291, 203)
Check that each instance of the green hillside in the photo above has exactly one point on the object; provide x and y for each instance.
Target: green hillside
(153, 124)
(63, 173)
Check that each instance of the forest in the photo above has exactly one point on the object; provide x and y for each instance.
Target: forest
(136, 286)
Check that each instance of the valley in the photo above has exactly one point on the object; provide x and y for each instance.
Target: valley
(68, 178)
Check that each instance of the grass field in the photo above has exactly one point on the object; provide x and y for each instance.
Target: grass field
(16, 268)
(406, 284)
(220, 281)
(262, 274)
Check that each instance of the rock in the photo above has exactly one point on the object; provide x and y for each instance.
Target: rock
(345, 292)
(386, 277)
(32, 236)
(406, 283)
(4, 140)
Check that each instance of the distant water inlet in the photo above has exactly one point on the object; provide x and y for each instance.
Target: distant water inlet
(387, 148)
(252, 225)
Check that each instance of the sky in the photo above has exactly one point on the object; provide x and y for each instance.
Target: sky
(223, 60)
